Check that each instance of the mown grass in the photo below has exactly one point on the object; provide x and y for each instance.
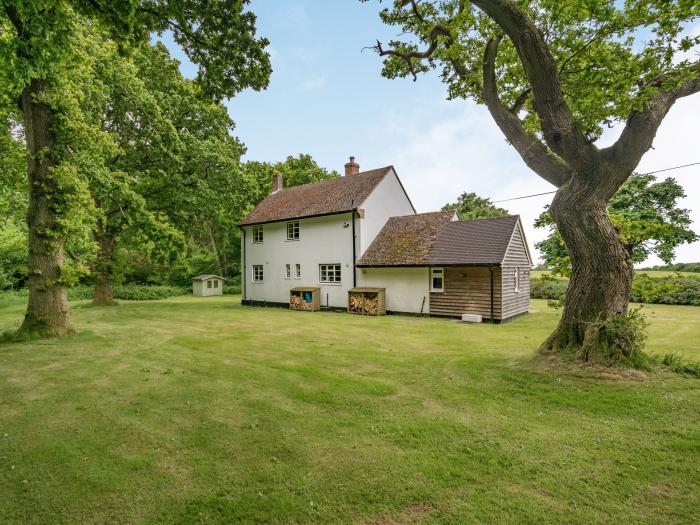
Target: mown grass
(198, 410)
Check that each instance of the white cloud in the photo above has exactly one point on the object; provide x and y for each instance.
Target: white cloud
(311, 84)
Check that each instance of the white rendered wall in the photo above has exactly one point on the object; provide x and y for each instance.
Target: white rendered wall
(405, 287)
(387, 200)
(322, 240)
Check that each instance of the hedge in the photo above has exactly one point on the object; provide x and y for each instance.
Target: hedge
(677, 289)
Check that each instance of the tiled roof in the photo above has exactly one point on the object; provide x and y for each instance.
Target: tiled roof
(405, 240)
(479, 241)
(434, 239)
(320, 198)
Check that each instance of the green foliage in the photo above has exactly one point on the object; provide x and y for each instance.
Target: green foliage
(680, 365)
(13, 255)
(645, 212)
(677, 290)
(691, 267)
(302, 169)
(622, 338)
(666, 290)
(471, 206)
(548, 287)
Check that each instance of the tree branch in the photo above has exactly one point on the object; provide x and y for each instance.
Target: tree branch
(535, 154)
(638, 135)
(559, 127)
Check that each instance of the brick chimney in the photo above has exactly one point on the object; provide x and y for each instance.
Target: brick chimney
(352, 167)
(277, 183)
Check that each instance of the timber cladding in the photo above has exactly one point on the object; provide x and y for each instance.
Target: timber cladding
(468, 291)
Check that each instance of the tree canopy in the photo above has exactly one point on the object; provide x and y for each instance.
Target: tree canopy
(471, 206)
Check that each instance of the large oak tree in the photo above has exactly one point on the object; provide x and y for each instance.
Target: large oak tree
(553, 75)
(36, 47)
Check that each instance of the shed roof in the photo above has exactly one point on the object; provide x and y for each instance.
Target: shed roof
(321, 198)
(206, 276)
(433, 239)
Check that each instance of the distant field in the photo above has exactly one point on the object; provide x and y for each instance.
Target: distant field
(657, 274)
(199, 410)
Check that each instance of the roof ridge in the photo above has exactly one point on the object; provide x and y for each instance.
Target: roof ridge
(332, 180)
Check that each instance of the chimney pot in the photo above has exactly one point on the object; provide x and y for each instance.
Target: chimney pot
(277, 181)
(352, 167)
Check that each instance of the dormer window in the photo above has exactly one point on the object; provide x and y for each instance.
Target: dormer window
(293, 231)
(258, 234)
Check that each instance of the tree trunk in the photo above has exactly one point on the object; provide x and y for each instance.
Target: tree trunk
(47, 310)
(602, 270)
(104, 268)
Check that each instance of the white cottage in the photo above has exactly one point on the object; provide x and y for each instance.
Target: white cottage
(206, 285)
(361, 230)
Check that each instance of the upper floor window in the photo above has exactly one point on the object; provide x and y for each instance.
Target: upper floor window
(257, 273)
(293, 231)
(298, 270)
(329, 273)
(258, 234)
(287, 271)
(437, 280)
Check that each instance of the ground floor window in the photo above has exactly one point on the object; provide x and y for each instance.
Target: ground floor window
(209, 284)
(437, 280)
(298, 270)
(216, 284)
(329, 273)
(287, 271)
(517, 279)
(257, 273)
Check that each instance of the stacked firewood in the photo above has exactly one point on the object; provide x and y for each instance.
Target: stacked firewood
(371, 304)
(356, 302)
(367, 303)
(297, 302)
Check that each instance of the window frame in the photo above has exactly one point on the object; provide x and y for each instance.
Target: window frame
(209, 285)
(287, 271)
(517, 279)
(297, 271)
(337, 271)
(258, 229)
(258, 278)
(441, 272)
(216, 283)
(295, 230)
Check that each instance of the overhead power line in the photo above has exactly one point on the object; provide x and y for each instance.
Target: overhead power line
(554, 191)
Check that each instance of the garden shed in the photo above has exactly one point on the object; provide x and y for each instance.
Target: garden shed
(206, 285)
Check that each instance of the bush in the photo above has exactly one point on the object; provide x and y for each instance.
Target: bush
(677, 289)
(130, 292)
(666, 290)
(622, 338)
(548, 287)
(232, 286)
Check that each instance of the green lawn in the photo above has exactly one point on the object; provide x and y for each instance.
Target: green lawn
(199, 410)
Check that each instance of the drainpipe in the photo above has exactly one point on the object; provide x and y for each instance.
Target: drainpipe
(354, 255)
(491, 290)
(243, 274)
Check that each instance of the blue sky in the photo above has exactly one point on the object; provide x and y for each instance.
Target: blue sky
(327, 98)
